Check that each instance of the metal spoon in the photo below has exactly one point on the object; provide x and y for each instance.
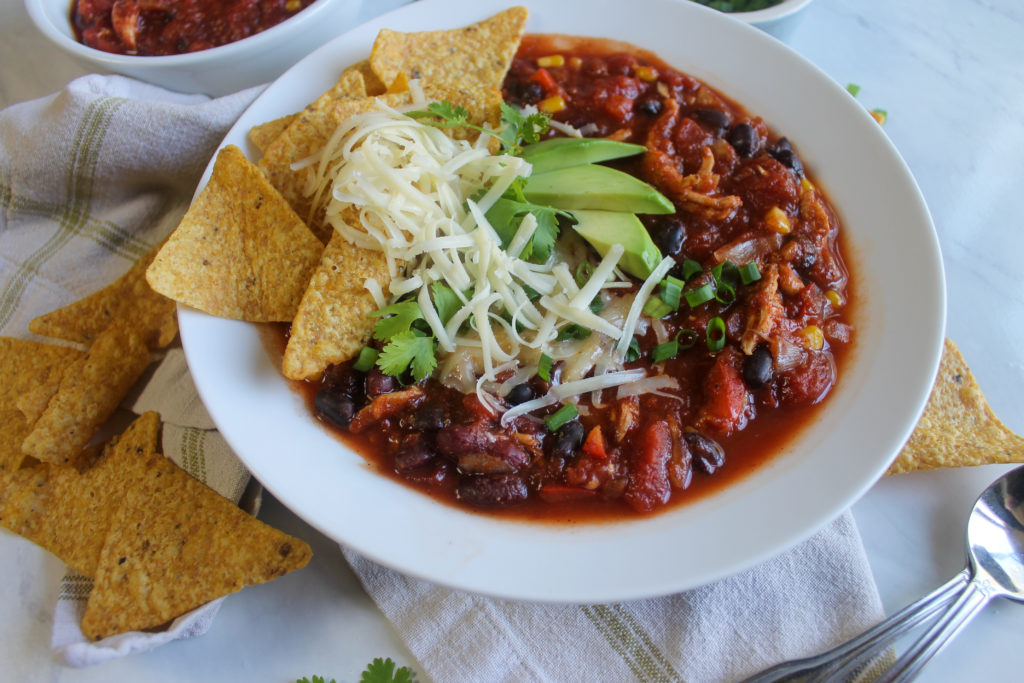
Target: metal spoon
(995, 548)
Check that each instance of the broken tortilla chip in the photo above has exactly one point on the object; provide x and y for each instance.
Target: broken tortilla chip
(28, 366)
(333, 320)
(173, 545)
(240, 251)
(958, 427)
(264, 134)
(465, 66)
(129, 299)
(68, 513)
(90, 389)
(13, 429)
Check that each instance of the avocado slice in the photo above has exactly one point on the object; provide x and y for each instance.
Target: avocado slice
(602, 229)
(591, 186)
(554, 153)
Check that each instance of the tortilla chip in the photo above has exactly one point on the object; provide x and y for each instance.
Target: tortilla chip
(27, 366)
(464, 66)
(264, 134)
(68, 513)
(129, 299)
(958, 427)
(240, 251)
(13, 429)
(174, 545)
(332, 324)
(89, 392)
(308, 134)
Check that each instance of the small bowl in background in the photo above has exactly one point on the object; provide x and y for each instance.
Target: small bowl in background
(220, 70)
(779, 20)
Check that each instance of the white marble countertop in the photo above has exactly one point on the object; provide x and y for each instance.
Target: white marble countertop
(951, 75)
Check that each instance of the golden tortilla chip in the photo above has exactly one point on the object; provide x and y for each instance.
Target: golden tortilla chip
(130, 299)
(308, 134)
(13, 429)
(464, 66)
(240, 251)
(332, 323)
(89, 392)
(68, 513)
(958, 427)
(174, 545)
(27, 366)
(264, 134)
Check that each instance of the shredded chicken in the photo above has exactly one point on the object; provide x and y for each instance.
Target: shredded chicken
(765, 309)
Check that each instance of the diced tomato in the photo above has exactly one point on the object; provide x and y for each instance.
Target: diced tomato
(725, 396)
(594, 445)
(649, 485)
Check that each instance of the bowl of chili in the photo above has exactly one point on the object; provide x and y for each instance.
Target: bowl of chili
(828, 457)
(192, 46)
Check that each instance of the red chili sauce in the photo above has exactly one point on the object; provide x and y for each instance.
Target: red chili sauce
(742, 195)
(171, 27)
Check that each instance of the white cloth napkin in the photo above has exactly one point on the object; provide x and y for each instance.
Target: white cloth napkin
(90, 180)
(94, 176)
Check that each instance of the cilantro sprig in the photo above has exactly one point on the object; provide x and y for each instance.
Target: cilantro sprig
(517, 129)
(408, 344)
(378, 671)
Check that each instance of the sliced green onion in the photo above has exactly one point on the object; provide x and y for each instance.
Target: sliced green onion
(664, 351)
(701, 295)
(597, 305)
(544, 367)
(686, 338)
(690, 268)
(671, 291)
(561, 416)
(583, 272)
(633, 352)
(853, 89)
(749, 273)
(716, 334)
(656, 308)
(573, 331)
(726, 272)
(724, 293)
(367, 357)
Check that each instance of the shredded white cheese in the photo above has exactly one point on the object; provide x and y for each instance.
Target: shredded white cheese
(407, 189)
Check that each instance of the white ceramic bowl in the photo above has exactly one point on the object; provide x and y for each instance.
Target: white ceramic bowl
(780, 20)
(218, 71)
(899, 317)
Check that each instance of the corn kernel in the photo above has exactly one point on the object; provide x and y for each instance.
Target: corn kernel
(777, 220)
(551, 60)
(293, 5)
(646, 73)
(879, 115)
(814, 338)
(835, 298)
(806, 185)
(552, 105)
(575, 62)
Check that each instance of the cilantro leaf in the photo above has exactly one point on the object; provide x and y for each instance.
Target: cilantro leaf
(442, 115)
(316, 679)
(518, 129)
(446, 301)
(385, 671)
(408, 350)
(395, 319)
(507, 214)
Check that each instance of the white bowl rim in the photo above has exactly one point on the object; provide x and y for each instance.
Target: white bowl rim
(66, 40)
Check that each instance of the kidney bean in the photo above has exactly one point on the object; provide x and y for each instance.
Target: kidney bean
(492, 491)
(378, 383)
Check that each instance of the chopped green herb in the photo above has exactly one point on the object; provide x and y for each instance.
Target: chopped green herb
(724, 293)
(366, 359)
(408, 350)
(516, 129)
(749, 273)
(853, 89)
(544, 366)
(584, 271)
(633, 352)
(446, 301)
(573, 331)
(386, 671)
(686, 338)
(700, 295)
(690, 269)
(655, 308)
(395, 319)
(664, 351)
(716, 334)
(672, 291)
(561, 416)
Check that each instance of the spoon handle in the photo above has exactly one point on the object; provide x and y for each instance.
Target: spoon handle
(854, 653)
(975, 596)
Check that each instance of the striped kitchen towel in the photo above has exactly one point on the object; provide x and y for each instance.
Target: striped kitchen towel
(91, 179)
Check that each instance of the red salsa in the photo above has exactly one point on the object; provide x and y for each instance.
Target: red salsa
(171, 27)
(749, 364)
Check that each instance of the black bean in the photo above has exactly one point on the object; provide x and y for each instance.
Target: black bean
(780, 145)
(492, 491)
(427, 418)
(519, 394)
(650, 106)
(783, 152)
(708, 455)
(744, 139)
(530, 92)
(757, 368)
(338, 409)
(714, 118)
(567, 439)
(672, 238)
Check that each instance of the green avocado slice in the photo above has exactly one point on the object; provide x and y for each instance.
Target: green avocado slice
(602, 229)
(555, 153)
(591, 186)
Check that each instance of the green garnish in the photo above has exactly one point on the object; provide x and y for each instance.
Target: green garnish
(749, 273)
(738, 5)
(633, 351)
(853, 89)
(684, 339)
(508, 212)
(690, 269)
(366, 359)
(573, 331)
(516, 129)
(715, 334)
(378, 671)
(700, 295)
(561, 416)
(544, 367)
(446, 301)
(395, 319)
(408, 350)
